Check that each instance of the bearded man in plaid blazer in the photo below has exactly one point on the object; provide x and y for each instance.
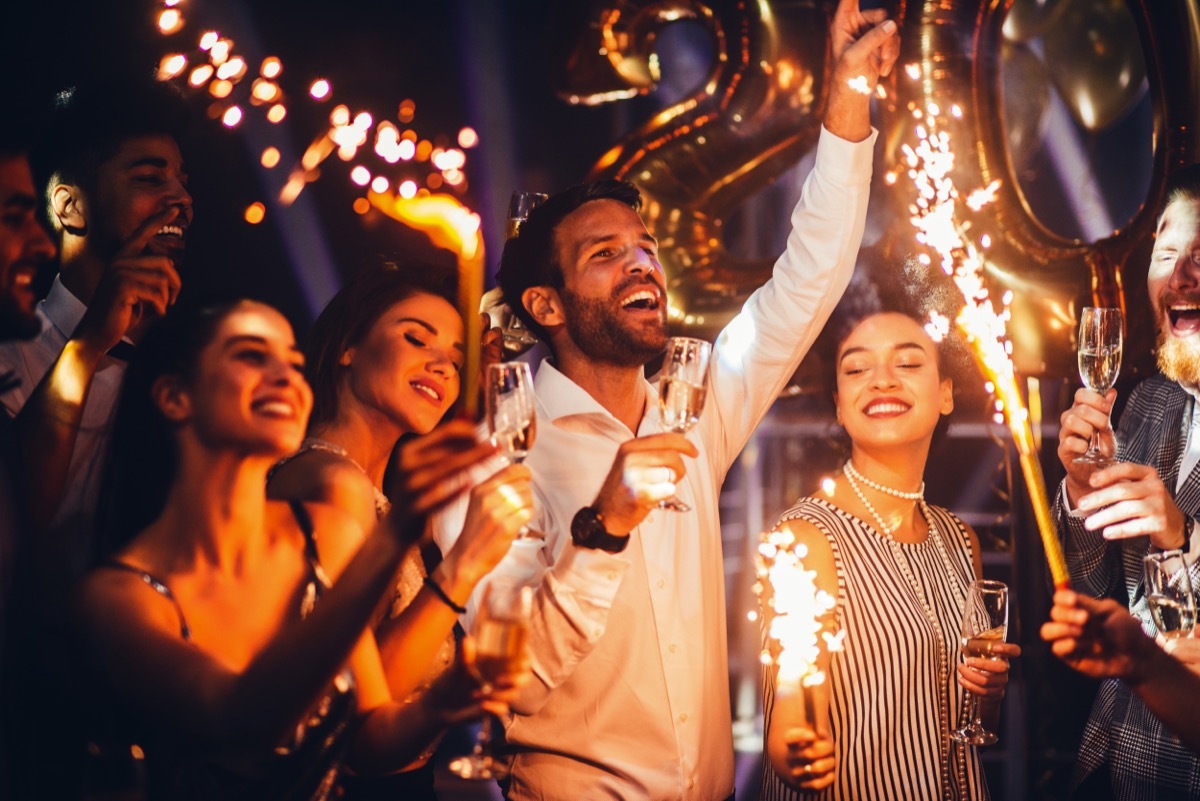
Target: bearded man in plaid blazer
(1149, 501)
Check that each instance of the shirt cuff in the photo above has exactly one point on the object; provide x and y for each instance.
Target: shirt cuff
(844, 161)
(590, 573)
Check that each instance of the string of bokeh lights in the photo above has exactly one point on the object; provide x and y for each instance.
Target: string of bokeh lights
(398, 161)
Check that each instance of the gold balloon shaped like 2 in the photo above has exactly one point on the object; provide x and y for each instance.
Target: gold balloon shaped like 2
(758, 112)
(753, 116)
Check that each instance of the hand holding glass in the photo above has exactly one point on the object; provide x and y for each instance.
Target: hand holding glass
(1100, 340)
(501, 631)
(682, 388)
(985, 623)
(1169, 593)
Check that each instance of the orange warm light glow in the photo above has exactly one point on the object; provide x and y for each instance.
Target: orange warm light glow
(255, 213)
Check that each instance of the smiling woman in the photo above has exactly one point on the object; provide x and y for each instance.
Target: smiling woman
(898, 568)
(223, 633)
(384, 358)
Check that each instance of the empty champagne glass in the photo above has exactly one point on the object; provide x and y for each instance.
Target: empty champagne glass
(985, 623)
(1169, 593)
(1100, 339)
(500, 633)
(682, 388)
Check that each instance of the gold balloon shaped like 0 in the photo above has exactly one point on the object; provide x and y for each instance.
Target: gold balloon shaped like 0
(954, 49)
(755, 115)
(758, 112)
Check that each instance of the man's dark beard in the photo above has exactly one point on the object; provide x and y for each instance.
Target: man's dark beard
(597, 332)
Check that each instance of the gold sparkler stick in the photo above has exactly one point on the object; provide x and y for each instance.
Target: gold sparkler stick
(450, 225)
(934, 215)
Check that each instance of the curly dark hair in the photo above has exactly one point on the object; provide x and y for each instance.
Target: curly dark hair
(914, 290)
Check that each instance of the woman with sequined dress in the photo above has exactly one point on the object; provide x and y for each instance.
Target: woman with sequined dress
(224, 636)
(899, 570)
(384, 360)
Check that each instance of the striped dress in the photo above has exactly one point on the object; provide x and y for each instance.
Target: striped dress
(885, 693)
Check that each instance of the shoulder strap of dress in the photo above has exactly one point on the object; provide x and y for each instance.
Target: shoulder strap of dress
(158, 586)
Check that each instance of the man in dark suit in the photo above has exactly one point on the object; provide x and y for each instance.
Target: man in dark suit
(1149, 501)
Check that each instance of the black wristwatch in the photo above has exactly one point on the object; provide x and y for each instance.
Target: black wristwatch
(588, 531)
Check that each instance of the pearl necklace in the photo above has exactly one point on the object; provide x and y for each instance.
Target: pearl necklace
(895, 493)
(943, 659)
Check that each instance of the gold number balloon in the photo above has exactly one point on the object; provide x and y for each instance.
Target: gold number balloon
(758, 112)
(754, 116)
(955, 48)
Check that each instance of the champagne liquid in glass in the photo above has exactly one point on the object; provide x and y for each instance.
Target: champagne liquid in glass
(1099, 366)
(1101, 333)
(500, 633)
(499, 647)
(681, 404)
(983, 645)
(515, 441)
(985, 625)
(682, 388)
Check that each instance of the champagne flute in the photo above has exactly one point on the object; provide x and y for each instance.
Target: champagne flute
(985, 623)
(682, 388)
(1100, 339)
(501, 631)
(511, 409)
(511, 413)
(1169, 593)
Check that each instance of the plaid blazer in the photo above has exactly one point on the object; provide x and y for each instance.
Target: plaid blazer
(1145, 761)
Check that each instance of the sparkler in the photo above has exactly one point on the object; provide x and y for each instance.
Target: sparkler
(934, 214)
(450, 225)
(795, 606)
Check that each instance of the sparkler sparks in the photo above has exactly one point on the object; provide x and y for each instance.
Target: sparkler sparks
(934, 214)
(405, 159)
(795, 608)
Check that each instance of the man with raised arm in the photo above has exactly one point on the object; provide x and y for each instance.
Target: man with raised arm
(630, 696)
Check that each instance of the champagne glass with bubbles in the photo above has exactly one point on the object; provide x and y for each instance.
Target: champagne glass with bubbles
(985, 623)
(1169, 593)
(682, 388)
(1100, 341)
(500, 633)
